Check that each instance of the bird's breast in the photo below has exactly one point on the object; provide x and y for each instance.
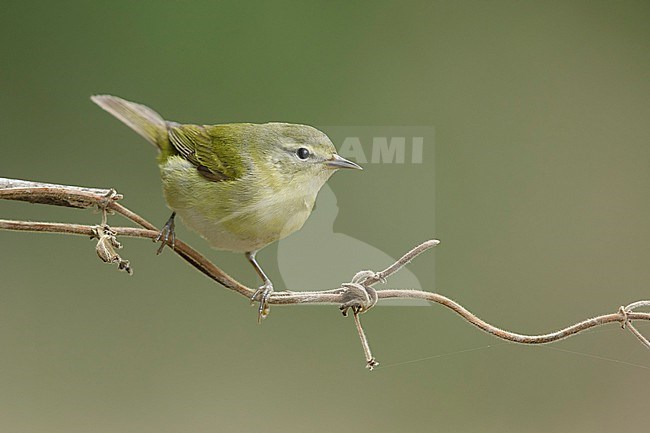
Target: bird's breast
(239, 215)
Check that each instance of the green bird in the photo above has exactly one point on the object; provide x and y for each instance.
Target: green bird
(241, 186)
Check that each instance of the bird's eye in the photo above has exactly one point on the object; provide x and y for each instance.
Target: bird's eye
(302, 153)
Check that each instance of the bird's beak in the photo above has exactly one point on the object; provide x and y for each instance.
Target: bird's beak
(337, 161)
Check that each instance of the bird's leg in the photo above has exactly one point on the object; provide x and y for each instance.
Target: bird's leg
(264, 291)
(167, 234)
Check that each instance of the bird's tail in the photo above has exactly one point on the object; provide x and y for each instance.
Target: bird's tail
(138, 117)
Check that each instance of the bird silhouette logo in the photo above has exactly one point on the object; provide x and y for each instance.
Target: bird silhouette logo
(301, 255)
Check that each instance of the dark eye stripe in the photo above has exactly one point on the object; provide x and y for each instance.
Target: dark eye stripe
(302, 153)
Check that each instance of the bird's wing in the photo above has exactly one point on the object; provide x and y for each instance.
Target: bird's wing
(215, 151)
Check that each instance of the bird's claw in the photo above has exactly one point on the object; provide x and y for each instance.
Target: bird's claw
(262, 295)
(167, 235)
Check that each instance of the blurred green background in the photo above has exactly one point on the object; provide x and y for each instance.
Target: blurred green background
(538, 184)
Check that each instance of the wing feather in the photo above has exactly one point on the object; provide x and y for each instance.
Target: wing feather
(214, 150)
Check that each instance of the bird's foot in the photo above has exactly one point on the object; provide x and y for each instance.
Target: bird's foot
(167, 235)
(262, 295)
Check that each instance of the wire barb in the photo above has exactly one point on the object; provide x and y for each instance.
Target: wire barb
(627, 322)
(371, 362)
(623, 312)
